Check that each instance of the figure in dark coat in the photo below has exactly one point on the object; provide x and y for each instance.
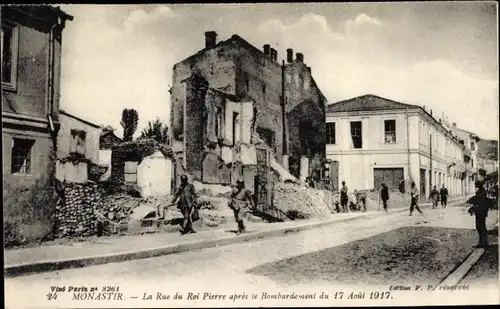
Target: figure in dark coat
(480, 206)
(186, 202)
(384, 195)
(434, 197)
(444, 196)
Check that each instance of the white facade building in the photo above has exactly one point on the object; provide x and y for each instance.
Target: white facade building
(376, 140)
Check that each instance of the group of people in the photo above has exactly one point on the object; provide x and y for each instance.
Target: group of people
(241, 201)
(436, 196)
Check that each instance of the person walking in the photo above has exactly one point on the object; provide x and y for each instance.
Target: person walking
(384, 195)
(434, 197)
(480, 206)
(240, 198)
(185, 196)
(414, 199)
(444, 196)
(344, 199)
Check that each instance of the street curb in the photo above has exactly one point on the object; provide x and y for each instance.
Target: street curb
(458, 274)
(46, 266)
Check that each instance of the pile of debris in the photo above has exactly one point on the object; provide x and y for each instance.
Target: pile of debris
(76, 211)
(301, 201)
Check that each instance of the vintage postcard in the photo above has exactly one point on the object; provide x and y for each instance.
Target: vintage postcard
(250, 155)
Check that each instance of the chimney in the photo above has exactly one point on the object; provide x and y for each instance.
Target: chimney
(431, 112)
(210, 39)
(454, 124)
(289, 55)
(299, 57)
(439, 120)
(423, 106)
(273, 54)
(267, 50)
(309, 70)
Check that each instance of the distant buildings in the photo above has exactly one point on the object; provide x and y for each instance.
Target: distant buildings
(31, 67)
(375, 140)
(230, 95)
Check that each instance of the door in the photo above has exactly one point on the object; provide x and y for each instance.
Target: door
(422, 183)
(392, 177)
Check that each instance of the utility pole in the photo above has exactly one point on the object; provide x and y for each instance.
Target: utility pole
(408, 145)
(430, 162)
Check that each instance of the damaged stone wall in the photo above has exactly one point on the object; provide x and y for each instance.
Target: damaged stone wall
(215, 65)
(76, 211)
(196, 116)
(305, 112)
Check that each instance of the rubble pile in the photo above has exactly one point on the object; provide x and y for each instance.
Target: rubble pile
(290, 197)
(76, 211)
(118, 207)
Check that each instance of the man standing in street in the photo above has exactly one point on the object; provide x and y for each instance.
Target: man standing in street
(344, 199)
(480, 206)
(240, 198)
(444, 196)
(384, 195)
(434, 197)
(414, 199)
(185, 197)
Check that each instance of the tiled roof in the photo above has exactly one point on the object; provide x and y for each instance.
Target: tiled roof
(368, 102)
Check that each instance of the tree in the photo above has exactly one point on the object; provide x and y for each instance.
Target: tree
(130, 118)
(157, 131)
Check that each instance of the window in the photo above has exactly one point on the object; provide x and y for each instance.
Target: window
(9, 55)
(247, 82)
(264, 89)
(77, 142)
(218, 123)
(130, 172)
(357, 141)
(390, 131)
(472, 162)
(330, 133)
(306, 83)
(472, 146)
(21, 156)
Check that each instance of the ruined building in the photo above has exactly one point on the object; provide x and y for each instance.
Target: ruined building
(230, 97)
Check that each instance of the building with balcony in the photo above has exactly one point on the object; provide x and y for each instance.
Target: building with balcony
(373, 140)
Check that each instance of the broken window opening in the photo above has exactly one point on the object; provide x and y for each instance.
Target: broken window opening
(218, 122)
(236, 128)
(390, 131)
(268, 137)
(356, 137)
(247, 83)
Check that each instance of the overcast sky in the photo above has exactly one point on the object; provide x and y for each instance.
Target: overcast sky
(441, 55)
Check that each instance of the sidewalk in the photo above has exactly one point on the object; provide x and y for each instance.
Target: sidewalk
(117, 249)
(122, 248)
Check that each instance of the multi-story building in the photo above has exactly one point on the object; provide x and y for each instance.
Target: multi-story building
(230, 92)
(31, 65)
(374, 140)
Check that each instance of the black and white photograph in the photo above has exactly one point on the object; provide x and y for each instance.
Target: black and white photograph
(250, 154)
